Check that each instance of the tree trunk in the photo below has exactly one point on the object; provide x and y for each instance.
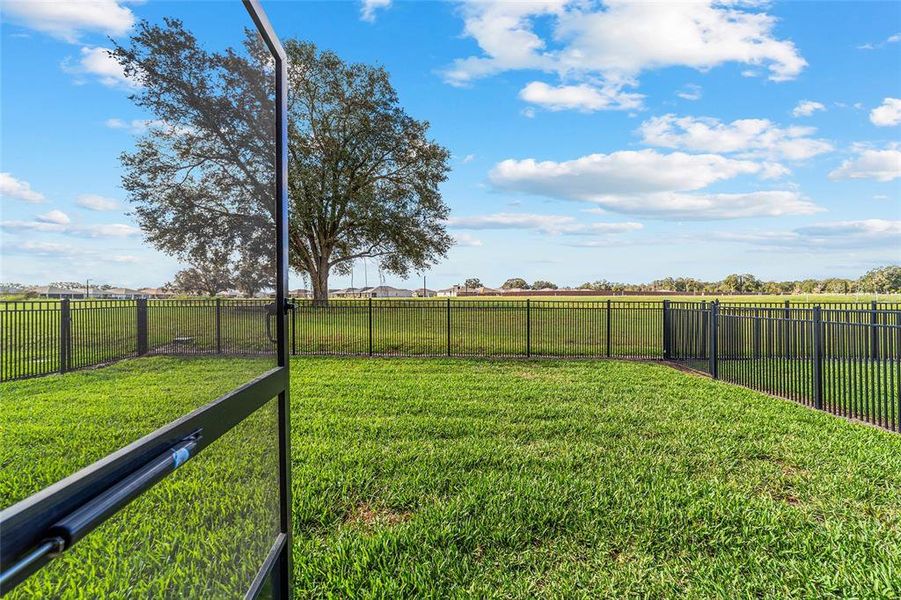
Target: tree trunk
(319, 281)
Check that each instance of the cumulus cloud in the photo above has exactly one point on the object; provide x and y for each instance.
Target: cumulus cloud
(805, 108)
(98, 63)
(548, 224)
(10, 187)
(56, 217)
(651, 183)
(626, 171)
(869, 163)
(610, 46)
(69, 20)
(748, 137)
(887, 114)
(97, 203)
(369, 8)
(582, 97)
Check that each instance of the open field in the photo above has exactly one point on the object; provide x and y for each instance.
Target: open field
(446, 478)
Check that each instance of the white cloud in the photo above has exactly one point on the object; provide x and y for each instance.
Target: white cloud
(749, 137)
(47, 224)
(651, 183)
(136, 126)
(369, 8)
(549, 224)
(609, 47)
(528, 112)
(625, 171)
(68, 20)
(468, 159)
(706, 206)
(466, 240)
(54, 249)
(830, 236)
(690, 91)
(888, 114)
(10, 187)
(892, 39)
(805, 108)
(97, 203)
(881, 165)
(56, 217)
(582, 97)
(98, 62)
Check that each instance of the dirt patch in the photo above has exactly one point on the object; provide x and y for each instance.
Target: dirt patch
(368, 516)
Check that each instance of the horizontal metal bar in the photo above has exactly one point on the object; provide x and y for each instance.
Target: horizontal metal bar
(63, 534)
(25, 524)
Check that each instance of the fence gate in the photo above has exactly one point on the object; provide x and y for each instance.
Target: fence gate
(200, 506)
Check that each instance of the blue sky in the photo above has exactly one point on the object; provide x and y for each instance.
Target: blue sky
(623, 141)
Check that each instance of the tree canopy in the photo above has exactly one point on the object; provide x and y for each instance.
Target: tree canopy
(363, 175)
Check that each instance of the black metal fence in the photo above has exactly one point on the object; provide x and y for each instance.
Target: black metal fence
(843, 357)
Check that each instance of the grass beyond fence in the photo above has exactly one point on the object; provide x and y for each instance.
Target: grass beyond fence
(459, 478)
(843, 358)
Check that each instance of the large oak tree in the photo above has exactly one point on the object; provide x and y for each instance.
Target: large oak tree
(363, 175)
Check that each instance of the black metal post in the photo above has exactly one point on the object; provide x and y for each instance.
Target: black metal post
(756, 333)
(141, 317)
(219, 325)
(608, 328)
(667, 339)
(528, 327)
(712, 344)
(448, 326)
(874, 330)
(65, 335)
(817, 358)
(370, 325)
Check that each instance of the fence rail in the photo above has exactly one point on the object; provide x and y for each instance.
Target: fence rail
(844, 357)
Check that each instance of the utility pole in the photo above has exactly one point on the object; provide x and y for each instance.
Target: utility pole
(425, 293)
(87, 288)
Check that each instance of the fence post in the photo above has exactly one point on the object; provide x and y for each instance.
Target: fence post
(667, 334)
(448, 326)
(874, 330)
(65, 335)
(528, 328)
(141, 314)
(294, 329)
(608, 328)
(218, 325)
(370, 326)
(756, 333)
(817, 358)
(712, 344)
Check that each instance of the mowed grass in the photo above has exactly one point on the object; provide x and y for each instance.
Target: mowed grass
(511, 479)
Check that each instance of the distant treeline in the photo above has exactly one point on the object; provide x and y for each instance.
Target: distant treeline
(883, 280)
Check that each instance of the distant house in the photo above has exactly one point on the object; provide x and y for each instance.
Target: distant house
(350, 292)
(116, 293)
(424, 293)
(385, 291)
(450, 292)
(51, 291)
(299, 293)
(155, 293)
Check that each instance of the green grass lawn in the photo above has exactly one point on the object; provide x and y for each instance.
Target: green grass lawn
(459, 478)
